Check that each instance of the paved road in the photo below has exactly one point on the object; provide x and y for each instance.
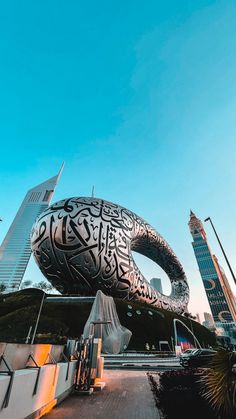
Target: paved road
(142, 362)
(127, 395)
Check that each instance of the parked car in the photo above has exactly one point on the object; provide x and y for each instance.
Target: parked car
(196, 357)
(188, 351)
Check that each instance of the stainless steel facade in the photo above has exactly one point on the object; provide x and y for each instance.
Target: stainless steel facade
(85, 244)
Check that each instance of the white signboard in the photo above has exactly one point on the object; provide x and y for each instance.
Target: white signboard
(178, 350)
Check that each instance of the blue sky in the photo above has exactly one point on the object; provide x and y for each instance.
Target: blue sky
(138, 98)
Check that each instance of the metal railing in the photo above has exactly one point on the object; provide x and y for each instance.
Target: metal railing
(9, 371)
(85, 357)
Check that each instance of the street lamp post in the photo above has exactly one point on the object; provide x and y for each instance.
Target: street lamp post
(28, 336)
(227, 261)
(37, 321)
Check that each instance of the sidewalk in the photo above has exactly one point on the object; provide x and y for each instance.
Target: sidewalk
(127, 395)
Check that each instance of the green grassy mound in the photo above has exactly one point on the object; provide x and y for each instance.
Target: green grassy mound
(60, 320)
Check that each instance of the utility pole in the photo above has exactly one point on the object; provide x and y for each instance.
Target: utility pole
(28, 336)
(218, 239)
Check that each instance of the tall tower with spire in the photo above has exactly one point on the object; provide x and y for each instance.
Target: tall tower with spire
(15, 250)
(219, 294)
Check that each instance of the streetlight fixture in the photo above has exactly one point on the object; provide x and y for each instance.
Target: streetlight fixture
(227, 261)
(37, 321)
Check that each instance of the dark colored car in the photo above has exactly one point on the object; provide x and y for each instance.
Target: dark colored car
(197, 358)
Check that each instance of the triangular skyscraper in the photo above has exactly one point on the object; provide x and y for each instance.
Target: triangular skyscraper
(15, 250)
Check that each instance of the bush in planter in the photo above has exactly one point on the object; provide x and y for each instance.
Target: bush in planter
(172, 378)
(177, 394)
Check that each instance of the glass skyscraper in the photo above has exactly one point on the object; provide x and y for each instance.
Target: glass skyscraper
(220, 297)
(156, 283)
(15, 250)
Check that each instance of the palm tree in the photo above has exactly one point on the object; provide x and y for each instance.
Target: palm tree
(2, 288)
(219, 384)
(26, 284)
(44, 286)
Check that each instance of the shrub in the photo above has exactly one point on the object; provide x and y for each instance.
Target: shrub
(177, 394)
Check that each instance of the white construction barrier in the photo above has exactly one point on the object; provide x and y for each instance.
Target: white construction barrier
(35, 392)
(17, 354)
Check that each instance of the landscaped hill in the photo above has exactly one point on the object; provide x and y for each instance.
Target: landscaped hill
(60, 320)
